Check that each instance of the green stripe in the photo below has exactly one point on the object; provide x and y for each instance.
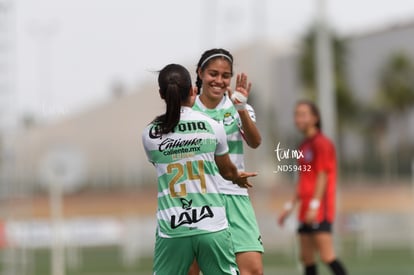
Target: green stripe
(235, 146)
(225, 115)
(210, 168)
(212, 113)
(231, 129)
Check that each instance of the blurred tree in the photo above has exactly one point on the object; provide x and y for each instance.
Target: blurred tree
(397, 84)
(347, 107)
(396, 98)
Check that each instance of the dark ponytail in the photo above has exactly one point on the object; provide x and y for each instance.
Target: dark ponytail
(314, 110)
(174, 83)
(207, 57)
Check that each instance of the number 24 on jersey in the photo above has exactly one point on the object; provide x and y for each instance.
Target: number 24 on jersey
(179, 172)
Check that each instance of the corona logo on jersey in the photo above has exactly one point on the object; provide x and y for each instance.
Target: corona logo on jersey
(191, 126)
(153, 132)
(191, 215)
(183, 127)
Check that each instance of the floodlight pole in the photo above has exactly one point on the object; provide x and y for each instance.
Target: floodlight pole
(44, 33)
(57, 248)
(324, 73)
(325, 82)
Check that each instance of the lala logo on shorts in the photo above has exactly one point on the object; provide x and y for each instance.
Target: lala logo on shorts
(191, 215)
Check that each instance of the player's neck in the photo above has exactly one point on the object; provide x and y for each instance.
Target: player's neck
(311, 132)
(209, 103)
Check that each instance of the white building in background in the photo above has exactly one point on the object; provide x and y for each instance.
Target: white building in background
(108, 137)
(366, 55)
(368, 52)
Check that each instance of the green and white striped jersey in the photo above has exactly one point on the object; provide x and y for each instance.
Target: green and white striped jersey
(189, 200)
(226, 114)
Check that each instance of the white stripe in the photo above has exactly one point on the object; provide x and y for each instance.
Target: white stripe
(216, 223)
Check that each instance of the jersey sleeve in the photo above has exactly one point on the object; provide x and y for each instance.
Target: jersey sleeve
(323, 156)
(251, 112)
(145, 143)
(222, 147)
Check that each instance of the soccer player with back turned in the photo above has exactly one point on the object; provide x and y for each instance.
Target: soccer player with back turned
(189, 151)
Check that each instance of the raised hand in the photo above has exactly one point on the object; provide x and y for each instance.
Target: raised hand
(242, 85)
(242, 90)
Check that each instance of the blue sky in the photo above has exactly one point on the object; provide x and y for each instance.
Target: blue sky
(92, 43)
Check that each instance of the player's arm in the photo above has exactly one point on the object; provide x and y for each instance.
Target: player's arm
(288, 208)
(239, 97)
(321, 182)
(229, 171)
(320, 187)
(322, 159)
(250, 131)
(226, 167)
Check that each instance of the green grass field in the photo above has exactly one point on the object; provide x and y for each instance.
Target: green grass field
(107, 261)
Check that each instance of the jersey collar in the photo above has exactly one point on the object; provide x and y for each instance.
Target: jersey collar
(186, 109)
(219, 106)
